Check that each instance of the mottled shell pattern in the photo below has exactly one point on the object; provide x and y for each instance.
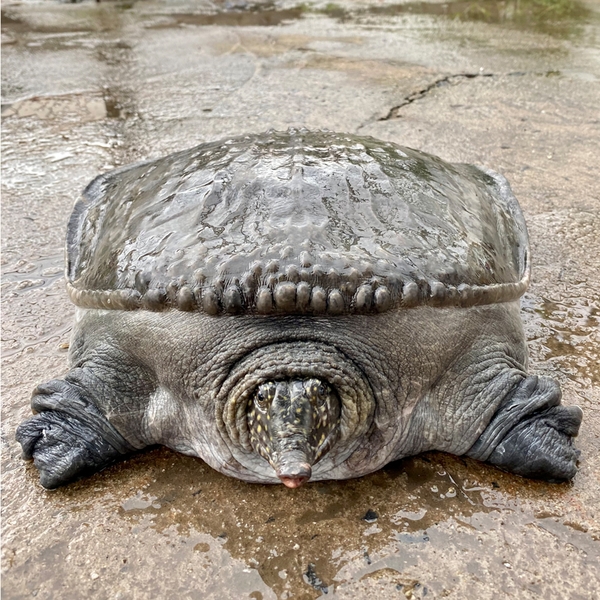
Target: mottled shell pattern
(304, 222)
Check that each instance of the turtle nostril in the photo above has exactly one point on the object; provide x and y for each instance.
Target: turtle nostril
(294, 475)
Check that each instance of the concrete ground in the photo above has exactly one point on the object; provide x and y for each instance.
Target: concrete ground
(509, 85)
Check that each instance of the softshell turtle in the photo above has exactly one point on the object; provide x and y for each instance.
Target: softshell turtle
(298, 305)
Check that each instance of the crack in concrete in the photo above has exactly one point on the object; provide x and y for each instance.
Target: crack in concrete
(393, 113)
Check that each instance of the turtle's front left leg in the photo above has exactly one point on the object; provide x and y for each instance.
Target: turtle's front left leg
(532, 433)
(69, 437)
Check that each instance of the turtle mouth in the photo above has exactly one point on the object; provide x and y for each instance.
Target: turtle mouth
(293, 482)
(294, 473)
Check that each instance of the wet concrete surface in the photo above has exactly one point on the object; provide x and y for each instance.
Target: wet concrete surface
(512, 86)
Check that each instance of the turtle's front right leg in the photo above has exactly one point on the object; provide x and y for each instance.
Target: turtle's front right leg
(69, 437)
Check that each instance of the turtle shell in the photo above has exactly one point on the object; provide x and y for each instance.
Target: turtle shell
(296, 222)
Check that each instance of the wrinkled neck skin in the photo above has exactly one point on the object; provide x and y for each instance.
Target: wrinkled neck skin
(291, 410)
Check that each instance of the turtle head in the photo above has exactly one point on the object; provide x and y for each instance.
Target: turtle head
(292, 424)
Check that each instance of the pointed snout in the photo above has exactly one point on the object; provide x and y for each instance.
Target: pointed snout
(293, 468)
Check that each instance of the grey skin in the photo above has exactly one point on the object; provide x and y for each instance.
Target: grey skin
(325, 363)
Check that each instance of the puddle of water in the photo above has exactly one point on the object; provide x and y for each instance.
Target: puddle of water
(556, 17)
(301, 541)
(61, 18)
(565, 335)
(561, 18)
(264, 15)
(405, 564)
(162, 512)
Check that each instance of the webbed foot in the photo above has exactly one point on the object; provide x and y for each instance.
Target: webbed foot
(532, 433)
(69, 438)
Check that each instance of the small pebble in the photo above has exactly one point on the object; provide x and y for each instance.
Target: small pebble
(370, 516)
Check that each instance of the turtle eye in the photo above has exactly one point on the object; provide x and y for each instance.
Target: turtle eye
(322, 394)
(264, 394)
(261, 399)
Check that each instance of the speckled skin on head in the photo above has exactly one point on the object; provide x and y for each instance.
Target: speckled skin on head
(245, 299)
(292, 424)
